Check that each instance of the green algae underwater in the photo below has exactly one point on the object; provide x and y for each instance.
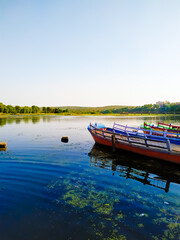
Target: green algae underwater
(78, 190)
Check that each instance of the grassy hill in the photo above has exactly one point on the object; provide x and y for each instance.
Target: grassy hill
(79, 109)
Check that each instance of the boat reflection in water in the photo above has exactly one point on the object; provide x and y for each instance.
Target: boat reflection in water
(143, 169)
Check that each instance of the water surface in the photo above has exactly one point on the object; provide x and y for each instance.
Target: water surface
(53, 190)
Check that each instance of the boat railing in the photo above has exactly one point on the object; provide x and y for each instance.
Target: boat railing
(147, 132)
(169, 126)
(126, 128)
(160, 133)
(171, 131)
(136, 139)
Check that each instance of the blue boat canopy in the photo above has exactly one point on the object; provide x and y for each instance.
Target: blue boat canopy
(97, 125)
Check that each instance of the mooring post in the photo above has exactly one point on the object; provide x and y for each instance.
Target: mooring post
(145, 140)
(113, 143)
(168, 144)
(3, 146)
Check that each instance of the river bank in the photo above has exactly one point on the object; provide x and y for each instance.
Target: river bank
(4, 115)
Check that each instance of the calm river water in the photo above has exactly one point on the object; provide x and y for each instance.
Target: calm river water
(75, 190)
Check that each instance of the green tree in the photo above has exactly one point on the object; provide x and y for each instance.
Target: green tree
(6, 110)
(2, 107)
(26, 109)
(50, 109)
(35, 109)
(11, 109)
(44, 109)
(58, 110)
(18, 109)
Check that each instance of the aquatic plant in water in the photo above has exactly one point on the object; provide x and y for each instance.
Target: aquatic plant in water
(107, 215)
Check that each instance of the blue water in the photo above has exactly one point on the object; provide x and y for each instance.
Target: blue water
(75, 190)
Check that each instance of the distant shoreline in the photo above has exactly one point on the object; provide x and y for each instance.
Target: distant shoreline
(3, 115)
(114, 110)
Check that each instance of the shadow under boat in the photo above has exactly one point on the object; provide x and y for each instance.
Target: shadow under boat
(148, 171)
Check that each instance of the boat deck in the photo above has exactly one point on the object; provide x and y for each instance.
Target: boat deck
(175, 148)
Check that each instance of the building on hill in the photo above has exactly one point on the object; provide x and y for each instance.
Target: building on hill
(161, 103)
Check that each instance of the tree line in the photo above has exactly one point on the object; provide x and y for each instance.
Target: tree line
(170, 108)
(9, 109)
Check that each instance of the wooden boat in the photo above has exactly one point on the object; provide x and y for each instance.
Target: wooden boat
(173, 135)
(135, 142)
(151, 133)
(168, 126)
(150, 126)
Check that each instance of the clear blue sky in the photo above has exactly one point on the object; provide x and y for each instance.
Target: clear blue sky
(89, 52)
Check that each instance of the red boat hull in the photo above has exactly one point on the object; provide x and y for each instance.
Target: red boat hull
(167, 156)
